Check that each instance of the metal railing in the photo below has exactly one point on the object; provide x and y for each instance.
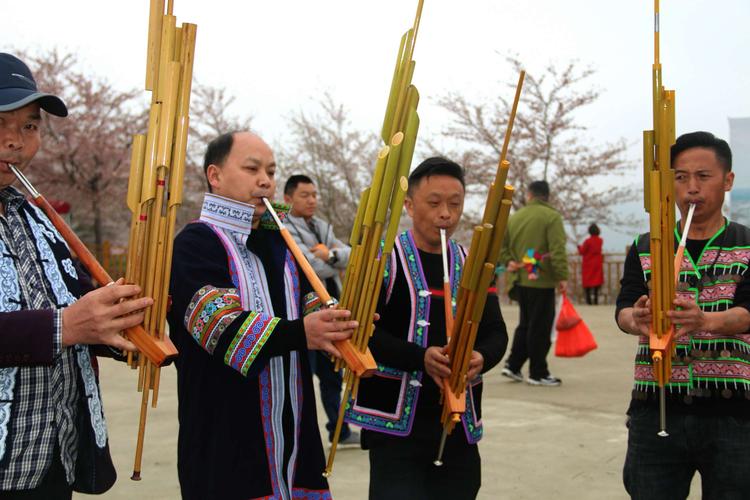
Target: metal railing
(113, 259)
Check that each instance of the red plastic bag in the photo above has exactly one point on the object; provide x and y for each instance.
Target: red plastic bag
(568, 317)
(575, 340)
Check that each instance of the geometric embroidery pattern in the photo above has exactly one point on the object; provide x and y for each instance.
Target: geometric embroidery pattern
(703, 360)
(210, 312)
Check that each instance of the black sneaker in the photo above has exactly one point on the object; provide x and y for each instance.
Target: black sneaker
(548, 381)
(515, 376)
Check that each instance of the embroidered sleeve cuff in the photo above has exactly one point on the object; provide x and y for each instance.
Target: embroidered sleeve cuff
(249, 340)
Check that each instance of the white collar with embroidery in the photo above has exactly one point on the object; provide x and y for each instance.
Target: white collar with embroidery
(227, 213)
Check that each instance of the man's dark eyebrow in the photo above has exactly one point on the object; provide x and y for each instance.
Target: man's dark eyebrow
(252, 159)
(35, 116)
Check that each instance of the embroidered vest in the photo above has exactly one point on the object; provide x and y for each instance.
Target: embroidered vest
(62, 279)
(705, 363)
(400, 421)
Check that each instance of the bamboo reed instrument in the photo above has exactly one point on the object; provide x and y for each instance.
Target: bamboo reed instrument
(478, 272)
(155, 185)
(659, 201)
(379, 204)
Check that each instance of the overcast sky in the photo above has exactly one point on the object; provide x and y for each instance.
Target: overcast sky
(277, 55)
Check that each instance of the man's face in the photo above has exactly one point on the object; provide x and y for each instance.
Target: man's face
(700, 179)
(248, 174)
(303, 200)
(437, 202)
(19, 140)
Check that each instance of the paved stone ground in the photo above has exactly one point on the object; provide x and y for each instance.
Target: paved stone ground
(540, 443)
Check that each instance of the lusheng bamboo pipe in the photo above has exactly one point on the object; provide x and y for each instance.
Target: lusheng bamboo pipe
(156, 195)
(364, 274)
(659, 201)
(478, 271)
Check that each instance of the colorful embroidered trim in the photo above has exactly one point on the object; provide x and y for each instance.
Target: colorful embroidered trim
(311, 303)
(249, 340)
(210, 312)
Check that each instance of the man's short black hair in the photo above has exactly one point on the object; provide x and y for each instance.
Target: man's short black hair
(539, 190)
(217, 152)
(594, 230)
(704, 140)
(295, 180)
(437, 165)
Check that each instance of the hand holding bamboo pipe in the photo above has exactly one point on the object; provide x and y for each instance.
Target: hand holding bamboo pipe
(337, 341)
(154, 349)
(659, 201)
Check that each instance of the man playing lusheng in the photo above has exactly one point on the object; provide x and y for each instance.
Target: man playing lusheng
(708, 394)
(248, 426)
(399, 408)
(53, 437)
(328, 257)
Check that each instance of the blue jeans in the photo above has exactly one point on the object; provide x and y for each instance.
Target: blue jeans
(330, 391)
(718, 447)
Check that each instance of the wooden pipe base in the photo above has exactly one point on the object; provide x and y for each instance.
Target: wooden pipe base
(157, 351)
(456, 405)
(362, 364)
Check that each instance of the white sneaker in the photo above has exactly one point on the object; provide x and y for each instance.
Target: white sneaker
(351, 441)
(548, 381)
(515, 376)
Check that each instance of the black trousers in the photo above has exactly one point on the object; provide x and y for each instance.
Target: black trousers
(403, 469)
(592, 295)
(54, 485)
(532, 338)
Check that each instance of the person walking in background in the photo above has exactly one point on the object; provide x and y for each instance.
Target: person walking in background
(328, 256)
(592, 262)
(534, 249)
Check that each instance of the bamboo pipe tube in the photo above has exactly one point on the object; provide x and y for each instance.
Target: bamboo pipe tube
(447, 301)
(390, 109)
(156, 11)
(302, 261)
(136, 476)
(165, 56)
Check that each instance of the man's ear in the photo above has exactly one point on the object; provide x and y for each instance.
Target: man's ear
(213, 175)
(728, 181)
(409, 206)
(287, 199)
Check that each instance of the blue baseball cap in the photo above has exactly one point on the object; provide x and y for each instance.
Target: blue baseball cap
(18, 88)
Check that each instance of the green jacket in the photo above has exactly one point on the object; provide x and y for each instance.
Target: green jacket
(536, 226)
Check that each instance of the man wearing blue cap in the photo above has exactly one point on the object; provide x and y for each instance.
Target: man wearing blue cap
(53, 437)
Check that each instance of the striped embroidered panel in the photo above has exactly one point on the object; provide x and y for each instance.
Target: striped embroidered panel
(249, 340)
